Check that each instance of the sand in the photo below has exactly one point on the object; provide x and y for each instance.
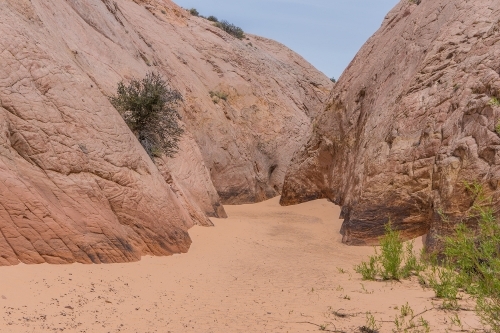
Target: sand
(264, 269)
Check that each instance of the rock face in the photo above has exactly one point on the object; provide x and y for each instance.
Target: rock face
(247, 139)
(189, 178)
(411, 120)
(76, 186)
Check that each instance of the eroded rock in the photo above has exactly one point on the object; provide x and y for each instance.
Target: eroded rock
(76, 186)
(246, 139)
(411, 119)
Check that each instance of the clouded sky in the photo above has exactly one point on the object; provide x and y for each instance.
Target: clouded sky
(328, 33)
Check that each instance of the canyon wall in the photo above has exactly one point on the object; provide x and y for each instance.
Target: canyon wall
(246, 139)
(411, 122)
(76, 186)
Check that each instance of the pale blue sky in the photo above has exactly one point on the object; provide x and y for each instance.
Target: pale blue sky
(328, 33)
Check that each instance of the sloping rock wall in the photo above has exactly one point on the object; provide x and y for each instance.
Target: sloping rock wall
(411, 120)
(75, 184)
(272, 93)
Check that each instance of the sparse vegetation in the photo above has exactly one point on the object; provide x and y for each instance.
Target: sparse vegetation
(494, 101)
(368, 270)
(455, 321)
(497, 128)
(223, 24)
(472, 259)
(218, 95)
(469, 263)
(364, 290)
(230, 29)
(371, 325)
(395, 261)
(405, 321)
(333, 79)
(148, 108)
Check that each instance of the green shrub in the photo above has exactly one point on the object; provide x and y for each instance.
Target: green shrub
(391, 257)
(368, 270)
(230, 29)
(494, 101)
(444, 282)
(471, 258)
(148, 108)
(474, 257)
(469, 262)
(497, 128)
(194, 12)
(413, 265)
(395, 260)
(212, 18)
(405, 322)
(371, 325)
(333, 79)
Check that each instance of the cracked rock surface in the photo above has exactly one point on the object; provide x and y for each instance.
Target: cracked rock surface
(76, 186)
(410, 121)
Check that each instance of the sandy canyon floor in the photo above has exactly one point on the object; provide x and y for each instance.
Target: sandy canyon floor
(264, 269)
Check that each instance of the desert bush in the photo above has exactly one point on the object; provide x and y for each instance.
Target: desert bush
(194, 12)
(230, 29)
(395, 261)
(368, 270)
(474, 257)
(391, 257)
(148, 108)
(443, 281)
(470, 262)
(212, 18)
(333, 79)
(218, 95)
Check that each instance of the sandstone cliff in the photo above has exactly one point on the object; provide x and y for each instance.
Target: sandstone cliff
(412, 118)
(76, 186)
(246, 140)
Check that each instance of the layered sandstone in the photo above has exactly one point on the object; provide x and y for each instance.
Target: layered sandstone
(247, 140)
(411, 120)
(76, 186)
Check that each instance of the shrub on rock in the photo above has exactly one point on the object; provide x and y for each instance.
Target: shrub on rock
(148, 108)
(231, 29)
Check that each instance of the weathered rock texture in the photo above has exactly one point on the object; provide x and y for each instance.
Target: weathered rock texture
(248, 140)
(410, 120)
(75, 185)
(190, 180)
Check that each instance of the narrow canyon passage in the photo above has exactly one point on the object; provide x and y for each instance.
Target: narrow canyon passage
(265, 269)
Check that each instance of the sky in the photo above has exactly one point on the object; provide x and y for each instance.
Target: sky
(327, 33)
